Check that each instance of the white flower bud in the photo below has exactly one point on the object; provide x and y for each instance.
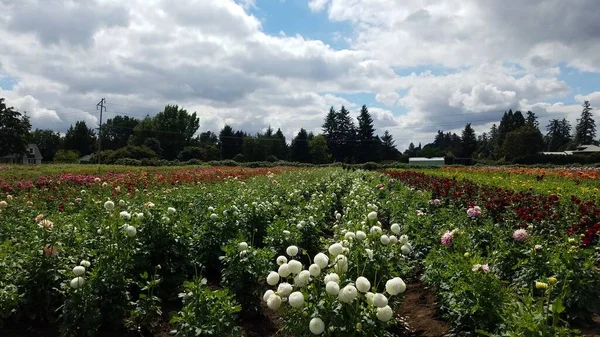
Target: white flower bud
(214, 216)
(349, 236)
(109, 205)
(79, 270)
(362, 284)
(395, 286)
(379, 300)
(85, 263)
(376, 230)
(403, 239)
(360, 235)
(341, 264)
(272, 278)
(296, 299)
(274, 302)
(395, 228)
(140, 216)
(314, 269)
(405, 250)
(284, 270)
(384, 314)
(284, 289)
(295, 266)
(385, 240)
(77, 282)
(393, 239)
(302, 278)
(369, 296)
(268, 294)
(242, 246)
(131, 231)
(316, 326)
(332, 277)
(336, 249)
(372, 216)
(332, 288)
(292, 250)
(125, 215)
(281, 260)
(121, 202)
(347, 294)
(171, 210)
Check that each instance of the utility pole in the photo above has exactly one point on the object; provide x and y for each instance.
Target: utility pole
(102, 108)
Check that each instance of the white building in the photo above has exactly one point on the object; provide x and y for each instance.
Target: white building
(434, 161)
(32, 156)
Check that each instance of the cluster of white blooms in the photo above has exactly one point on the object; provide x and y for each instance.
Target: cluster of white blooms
(79, 271)
(330, 271)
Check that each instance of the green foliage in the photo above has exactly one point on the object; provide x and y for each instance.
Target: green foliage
(242, 271)
(192, 152)
(47, 141)
(174, 128)
(206, 312)
(145, 312)
(80, 138)
(116, 132)
(14, 131)
(127, 152)
(65, 156)
(522, 142)
(585, 131)
(318, 150)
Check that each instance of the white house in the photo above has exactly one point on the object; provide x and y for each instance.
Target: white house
(587, 149)
(32, 156)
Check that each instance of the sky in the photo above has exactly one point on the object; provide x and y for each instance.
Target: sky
(419, 65)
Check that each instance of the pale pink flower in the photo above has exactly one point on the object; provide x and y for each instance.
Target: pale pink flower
(474, 212)
(520, 235)
(485, 268)
(447, 238)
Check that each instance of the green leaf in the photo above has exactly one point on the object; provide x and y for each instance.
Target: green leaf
(557, 306)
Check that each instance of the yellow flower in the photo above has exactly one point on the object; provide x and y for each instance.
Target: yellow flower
(552, 280)
(541, 285)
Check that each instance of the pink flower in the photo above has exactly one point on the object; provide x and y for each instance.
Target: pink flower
(485, 268)
(474, 212)
(447, 238)
(520, 235)
(436, 202)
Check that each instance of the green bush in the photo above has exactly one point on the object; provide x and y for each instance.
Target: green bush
(206, 312)
(66, 157)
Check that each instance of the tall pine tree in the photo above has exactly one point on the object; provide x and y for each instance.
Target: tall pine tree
(468, 142)
(365, 136)
(585, 131)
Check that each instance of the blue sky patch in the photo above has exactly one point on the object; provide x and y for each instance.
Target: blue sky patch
(294, 17)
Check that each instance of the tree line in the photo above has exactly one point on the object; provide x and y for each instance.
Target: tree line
(172, 134)
(515, 136)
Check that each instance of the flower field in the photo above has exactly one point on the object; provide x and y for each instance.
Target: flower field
(296, 252)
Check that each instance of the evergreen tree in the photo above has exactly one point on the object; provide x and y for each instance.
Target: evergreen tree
(80, 139)
(523, 141)
(280, 149)
(532, 120)
(365, 136)
(558, 136)
(227, 143)
(585, 131)
(14, 131)
(331, 130)
(389, 149)
(299, 148)
(347, 136)
(468, 142)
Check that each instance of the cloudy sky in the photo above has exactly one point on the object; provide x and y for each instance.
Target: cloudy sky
(420, 65)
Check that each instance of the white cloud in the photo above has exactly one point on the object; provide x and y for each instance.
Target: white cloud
(213, 57)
